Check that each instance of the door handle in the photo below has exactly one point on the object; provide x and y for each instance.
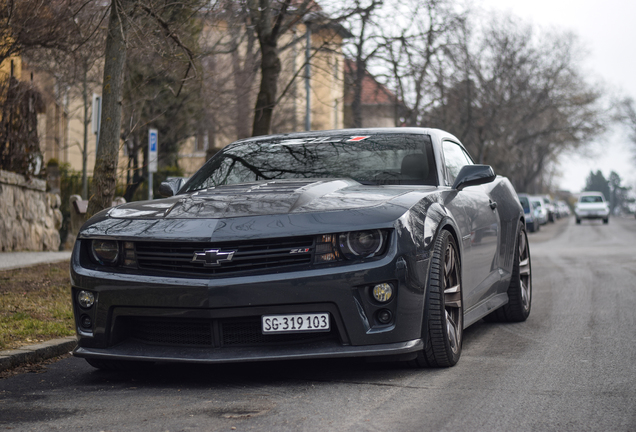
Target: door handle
(493, 204)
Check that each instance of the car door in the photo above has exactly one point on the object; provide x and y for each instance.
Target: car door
(480, 222)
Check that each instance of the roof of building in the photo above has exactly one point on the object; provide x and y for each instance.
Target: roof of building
(373, 92)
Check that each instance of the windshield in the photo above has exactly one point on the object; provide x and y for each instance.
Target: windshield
(373, 160)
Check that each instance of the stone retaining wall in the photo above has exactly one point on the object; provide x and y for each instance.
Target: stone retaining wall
(29, 216)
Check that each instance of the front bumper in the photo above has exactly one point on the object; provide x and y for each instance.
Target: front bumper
(128, 306)
(591, 214)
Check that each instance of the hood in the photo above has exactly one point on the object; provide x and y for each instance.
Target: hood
(264, 198)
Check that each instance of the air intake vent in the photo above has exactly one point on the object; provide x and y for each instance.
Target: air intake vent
(234, 332)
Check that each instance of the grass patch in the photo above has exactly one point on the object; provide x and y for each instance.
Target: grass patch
(35, 305)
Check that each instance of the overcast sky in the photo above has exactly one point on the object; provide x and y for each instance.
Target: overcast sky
(608, 29)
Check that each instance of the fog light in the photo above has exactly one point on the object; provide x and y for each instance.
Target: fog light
(383, 292)
(86, 322)
(384, 316)
(86, 299)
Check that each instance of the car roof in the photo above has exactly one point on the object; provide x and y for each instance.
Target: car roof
(355, 131)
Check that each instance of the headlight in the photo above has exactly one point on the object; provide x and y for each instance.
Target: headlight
(105, 251)
(354, 245)
(361, 244)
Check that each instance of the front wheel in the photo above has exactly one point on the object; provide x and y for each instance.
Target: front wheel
(442, 329)
(606, 221)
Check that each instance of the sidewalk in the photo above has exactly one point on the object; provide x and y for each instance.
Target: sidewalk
(41, 351)
(13, 260)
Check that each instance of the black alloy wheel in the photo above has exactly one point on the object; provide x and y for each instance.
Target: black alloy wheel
(443, 329)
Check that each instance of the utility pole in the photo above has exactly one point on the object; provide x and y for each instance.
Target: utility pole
(308, 77)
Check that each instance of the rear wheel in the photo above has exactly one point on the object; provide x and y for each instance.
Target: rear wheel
(578, 221)
(520, 289)
(443, 330)
(606, 221)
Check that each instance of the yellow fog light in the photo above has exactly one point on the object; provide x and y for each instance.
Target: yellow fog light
(383, 292)
(86, 299)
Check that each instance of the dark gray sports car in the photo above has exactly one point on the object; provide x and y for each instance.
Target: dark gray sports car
(381, 243)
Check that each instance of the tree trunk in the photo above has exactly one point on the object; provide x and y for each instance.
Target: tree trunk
(105, 172)
(266, 100)
(356, 104)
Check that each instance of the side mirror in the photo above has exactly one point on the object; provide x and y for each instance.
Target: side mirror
(472, 175)
(170, 187)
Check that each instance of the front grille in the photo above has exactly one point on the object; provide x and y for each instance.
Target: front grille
(235, 332)
(248, 255)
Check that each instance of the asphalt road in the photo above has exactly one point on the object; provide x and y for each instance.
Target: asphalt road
(570, 367)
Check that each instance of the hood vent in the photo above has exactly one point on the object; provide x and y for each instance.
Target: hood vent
(272, 187)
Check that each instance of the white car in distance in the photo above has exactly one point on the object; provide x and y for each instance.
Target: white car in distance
(592, 205)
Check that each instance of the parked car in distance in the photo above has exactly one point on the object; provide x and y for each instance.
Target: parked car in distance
(344, 243)
(530, 212)
(563, 209)
(550, 208)
(592, 205)
(539, 208)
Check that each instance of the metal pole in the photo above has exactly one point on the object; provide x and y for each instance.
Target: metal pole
(307, 78)
(150, 186)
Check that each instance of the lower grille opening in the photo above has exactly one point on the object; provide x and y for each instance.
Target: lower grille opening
(234, 332)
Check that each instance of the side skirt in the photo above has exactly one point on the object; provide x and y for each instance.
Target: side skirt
(484, 308)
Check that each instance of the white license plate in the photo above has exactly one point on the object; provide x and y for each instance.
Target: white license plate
(296, 323)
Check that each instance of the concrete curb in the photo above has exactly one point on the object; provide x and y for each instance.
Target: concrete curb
(35, 353)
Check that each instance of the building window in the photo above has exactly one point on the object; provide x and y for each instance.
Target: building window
(201, 142)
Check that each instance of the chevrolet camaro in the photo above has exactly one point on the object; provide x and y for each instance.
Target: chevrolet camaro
(379, 243)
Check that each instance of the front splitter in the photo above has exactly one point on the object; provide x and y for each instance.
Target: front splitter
(155, 353)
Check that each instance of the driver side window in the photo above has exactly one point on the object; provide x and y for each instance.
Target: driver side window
(454, 158)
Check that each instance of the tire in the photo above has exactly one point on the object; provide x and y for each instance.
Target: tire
(119, 365)
(578, 221)
(520, 289)
(606, 221)
(442, 331)
(532, 227)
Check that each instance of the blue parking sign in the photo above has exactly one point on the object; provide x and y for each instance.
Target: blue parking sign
(152, 150)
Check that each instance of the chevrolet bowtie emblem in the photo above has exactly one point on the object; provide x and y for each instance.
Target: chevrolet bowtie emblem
(212, 257)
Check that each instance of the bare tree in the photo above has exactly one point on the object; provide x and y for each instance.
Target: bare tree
(271, 19)
(26, 24)
(411, 51)
(105, 172)
(44, 30)
(128, 18)
(516, 97)
(76, 64)
(626, 114)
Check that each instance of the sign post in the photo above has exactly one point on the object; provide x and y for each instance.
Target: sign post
(152, 158)
(97, 118)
